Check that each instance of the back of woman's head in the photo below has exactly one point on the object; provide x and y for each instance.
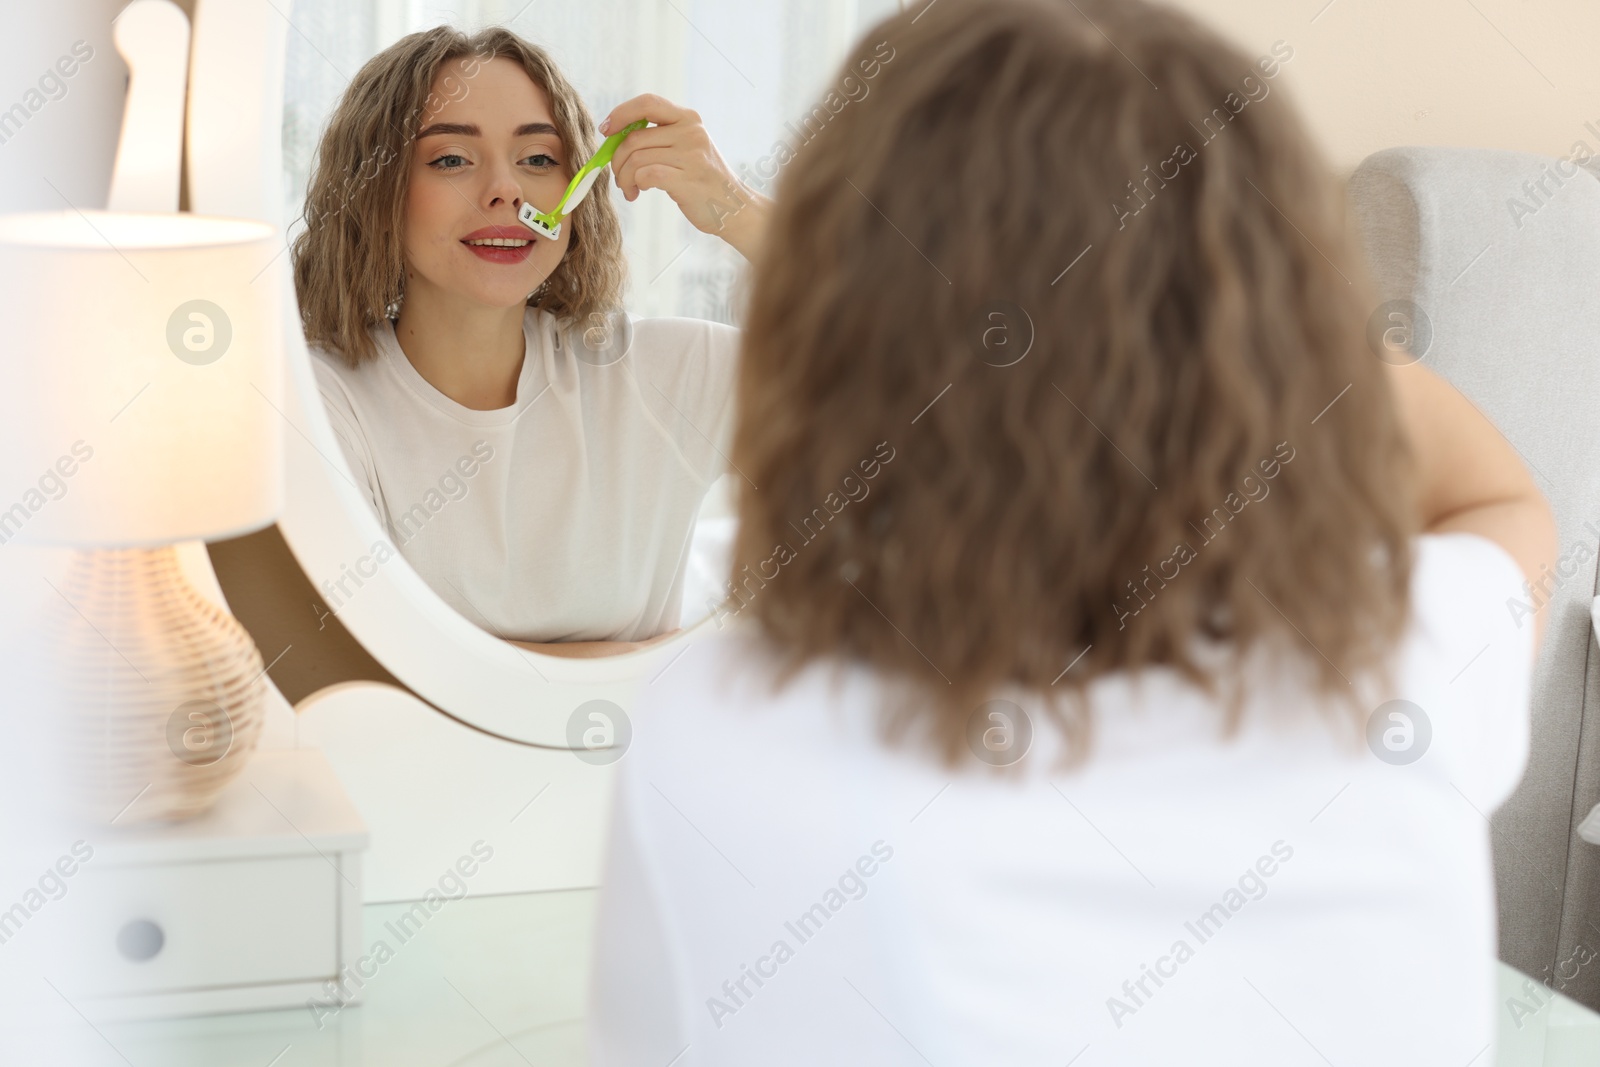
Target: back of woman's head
(1077, 271)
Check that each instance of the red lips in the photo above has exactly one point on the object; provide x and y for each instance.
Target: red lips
(507, 256)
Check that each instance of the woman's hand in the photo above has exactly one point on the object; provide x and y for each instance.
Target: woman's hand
(591, 649)
(676, 156)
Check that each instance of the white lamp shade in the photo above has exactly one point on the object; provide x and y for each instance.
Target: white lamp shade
(141, 378)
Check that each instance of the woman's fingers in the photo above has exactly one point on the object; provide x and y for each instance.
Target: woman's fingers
(656, 109)
(669, 138)
(678, 140)
(678, 157)
(650, 168)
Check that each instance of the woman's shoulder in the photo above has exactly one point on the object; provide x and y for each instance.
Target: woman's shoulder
(659, 335)
(1470, 606)
(693, 359)
(1459, 573)
(327, 361)
(326, 353)
(346, 385)
(333, 368)
(690, 339)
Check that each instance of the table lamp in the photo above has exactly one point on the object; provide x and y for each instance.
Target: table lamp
(140, 408)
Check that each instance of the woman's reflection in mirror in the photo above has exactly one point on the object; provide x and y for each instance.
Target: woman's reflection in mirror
(453, 345)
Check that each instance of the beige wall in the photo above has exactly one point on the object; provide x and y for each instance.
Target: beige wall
(1369, 74)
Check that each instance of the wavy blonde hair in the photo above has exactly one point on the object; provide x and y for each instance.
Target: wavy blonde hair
(1175, 354)
(348, 262)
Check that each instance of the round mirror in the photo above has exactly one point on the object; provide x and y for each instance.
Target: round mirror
(404, 613)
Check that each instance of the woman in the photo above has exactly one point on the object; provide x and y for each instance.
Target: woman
(1119, 667)
(537, 455)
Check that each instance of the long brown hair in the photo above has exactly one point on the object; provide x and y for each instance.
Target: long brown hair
(1198, 441)
(348, 261)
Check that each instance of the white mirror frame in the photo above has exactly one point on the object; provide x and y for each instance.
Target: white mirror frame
(235, 168)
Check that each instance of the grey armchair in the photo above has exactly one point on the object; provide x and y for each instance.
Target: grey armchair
(1500, 251)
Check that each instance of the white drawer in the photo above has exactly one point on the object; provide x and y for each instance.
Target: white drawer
(210, 924)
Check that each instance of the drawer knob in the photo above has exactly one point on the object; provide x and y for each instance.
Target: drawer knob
(140, 939)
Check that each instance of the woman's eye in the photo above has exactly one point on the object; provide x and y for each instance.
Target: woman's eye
(548, 161)
(453, 166)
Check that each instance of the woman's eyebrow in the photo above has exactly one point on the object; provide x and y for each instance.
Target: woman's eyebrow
(468, 129)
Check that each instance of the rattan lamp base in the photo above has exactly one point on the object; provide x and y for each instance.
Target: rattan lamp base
(159, 692)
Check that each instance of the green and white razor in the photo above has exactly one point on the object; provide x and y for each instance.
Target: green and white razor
(549, 224)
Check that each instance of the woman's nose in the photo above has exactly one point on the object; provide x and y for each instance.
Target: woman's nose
(503, 185)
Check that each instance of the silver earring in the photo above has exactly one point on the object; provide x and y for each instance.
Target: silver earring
(534, 297)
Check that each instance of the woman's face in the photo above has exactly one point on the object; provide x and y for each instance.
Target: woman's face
(491, 146)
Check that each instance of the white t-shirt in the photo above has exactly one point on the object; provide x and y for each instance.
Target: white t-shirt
(566, 516)
(783, 888)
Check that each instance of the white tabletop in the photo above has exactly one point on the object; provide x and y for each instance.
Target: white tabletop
(500, 982)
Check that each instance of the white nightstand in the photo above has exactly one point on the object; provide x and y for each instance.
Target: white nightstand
(254, 905)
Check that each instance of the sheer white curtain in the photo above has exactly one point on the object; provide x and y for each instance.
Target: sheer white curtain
(748, 66)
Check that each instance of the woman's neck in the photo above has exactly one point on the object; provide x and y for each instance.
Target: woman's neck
(471, 354)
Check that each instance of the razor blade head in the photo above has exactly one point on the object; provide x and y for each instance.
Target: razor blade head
(531, 218)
